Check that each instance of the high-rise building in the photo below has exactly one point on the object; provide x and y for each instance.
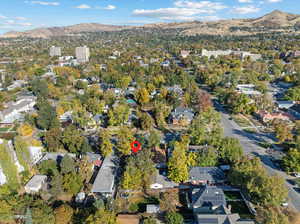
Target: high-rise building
(82, 54)
(55, 51)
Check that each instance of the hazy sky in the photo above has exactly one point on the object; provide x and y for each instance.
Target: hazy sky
(29, 14)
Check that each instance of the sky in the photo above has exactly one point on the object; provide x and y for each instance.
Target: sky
(19, 15)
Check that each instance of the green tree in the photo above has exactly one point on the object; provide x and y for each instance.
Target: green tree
(139, 171)
(106, 147)
(53, 139)
(177, 165)
(48, 167)
(81, 117)
(154, 138)
(205, 128)
(241, 103)
(6, 211)
(142, 96)
(207, 157)
(72, 183)
(271, 215)
(283, 131)
(67, 165)
(230, 150)
(63, 214)
(102, 216)
(174, 218)
(56, 185)
(150, 220)
(146, 121)
(125, 137)
(47, 117)
(291, 161)
(293, 94)
(118, 115)
(249, 174)
(72, 139)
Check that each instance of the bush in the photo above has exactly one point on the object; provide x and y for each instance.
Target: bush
(174, 218)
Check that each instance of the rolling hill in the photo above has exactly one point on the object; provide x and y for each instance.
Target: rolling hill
(276, 21)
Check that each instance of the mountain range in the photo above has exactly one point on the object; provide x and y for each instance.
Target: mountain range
(276, 21)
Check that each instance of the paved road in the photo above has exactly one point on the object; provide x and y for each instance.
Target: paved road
(249, 143)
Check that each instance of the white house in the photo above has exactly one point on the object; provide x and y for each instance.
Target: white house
(16, 84)
(15, 110)
(35, 184)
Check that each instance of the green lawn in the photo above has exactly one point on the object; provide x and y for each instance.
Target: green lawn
(241, 208)
(233, 195)
(4, 129)
(241, 121)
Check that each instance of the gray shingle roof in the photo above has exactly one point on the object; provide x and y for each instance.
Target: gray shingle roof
(208, 196)
(105, 179)
(211, 174)
(180, 112)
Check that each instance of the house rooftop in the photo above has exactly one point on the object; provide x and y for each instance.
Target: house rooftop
(220, 219)
(105, 178)
(208, 196)
(35, 181)
(211, 174)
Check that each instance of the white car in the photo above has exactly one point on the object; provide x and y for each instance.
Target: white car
(284, 204)
(297, 174)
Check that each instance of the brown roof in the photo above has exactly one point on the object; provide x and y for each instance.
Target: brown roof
(128, 219)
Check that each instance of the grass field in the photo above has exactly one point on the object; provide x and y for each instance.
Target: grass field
(241, 121)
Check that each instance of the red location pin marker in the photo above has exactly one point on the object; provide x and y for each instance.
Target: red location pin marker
(135, 146)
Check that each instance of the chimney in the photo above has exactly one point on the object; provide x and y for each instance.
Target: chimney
(229, 208)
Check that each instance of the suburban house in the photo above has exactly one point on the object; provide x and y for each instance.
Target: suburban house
(295, 111)
(15, 110)
(57, 157)
(35, 184)
(265, 116)
(206, 175)
(104, 184)
(67, 116)
(247, 89)
(210, 207)
(162, 182)
(94, 159)
(182, 116)
(208, 199)
(241, 54)
(176, 89)
(285, 104)
(184, 53)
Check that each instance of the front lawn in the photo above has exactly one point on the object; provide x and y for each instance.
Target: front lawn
(241, 121)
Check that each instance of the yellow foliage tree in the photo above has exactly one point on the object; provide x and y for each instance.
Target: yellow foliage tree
(25, 130)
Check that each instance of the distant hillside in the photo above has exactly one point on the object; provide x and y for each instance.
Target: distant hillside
(64, 31)
(275, 21)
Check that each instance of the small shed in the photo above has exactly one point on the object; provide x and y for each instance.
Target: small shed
(152, 209)
(35, 184)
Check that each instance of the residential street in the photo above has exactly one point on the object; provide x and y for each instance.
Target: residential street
(249, 143)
